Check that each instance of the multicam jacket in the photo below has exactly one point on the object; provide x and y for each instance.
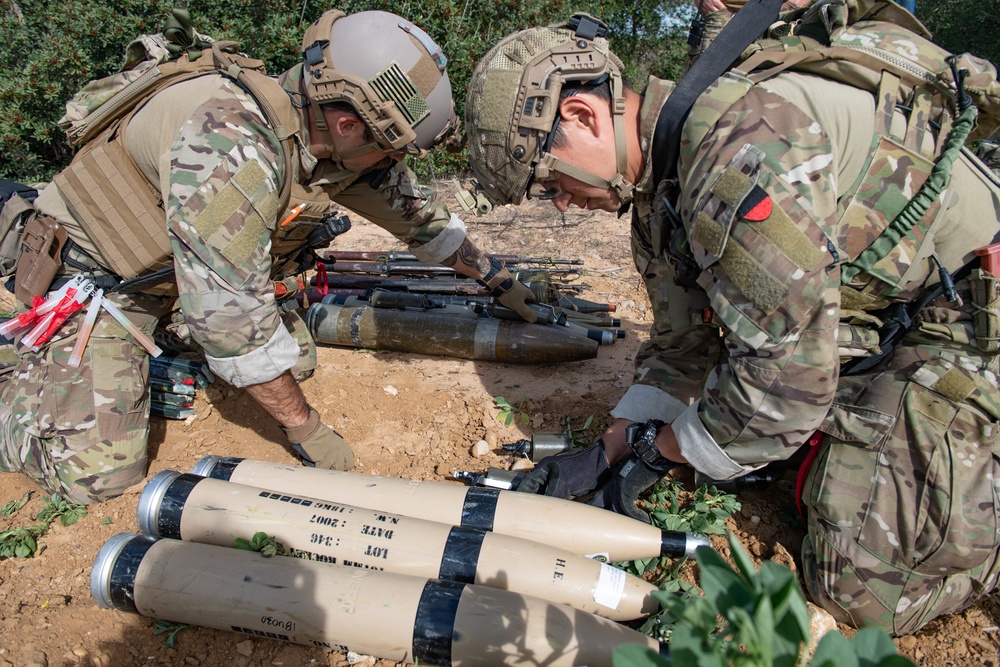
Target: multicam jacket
(204, 144)
(775, 193)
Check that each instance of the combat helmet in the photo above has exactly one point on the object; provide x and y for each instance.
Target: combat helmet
(512, 107)
(390, 71)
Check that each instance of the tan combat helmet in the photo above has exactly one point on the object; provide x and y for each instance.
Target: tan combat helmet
(512, 107)
(389, 70)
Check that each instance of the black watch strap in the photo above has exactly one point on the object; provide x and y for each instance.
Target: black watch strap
(641, 438)
(494, 281)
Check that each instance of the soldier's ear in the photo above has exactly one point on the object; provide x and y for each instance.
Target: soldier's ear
(582, 112)
(348, 125)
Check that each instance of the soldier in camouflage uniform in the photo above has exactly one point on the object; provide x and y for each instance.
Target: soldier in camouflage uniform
(206, 147)
(776, 191)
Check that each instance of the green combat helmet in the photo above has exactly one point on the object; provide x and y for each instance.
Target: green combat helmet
(390, 71)
(512, 108)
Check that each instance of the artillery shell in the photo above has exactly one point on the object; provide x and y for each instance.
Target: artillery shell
(445, 334)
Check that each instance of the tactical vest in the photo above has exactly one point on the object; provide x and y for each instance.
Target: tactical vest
(120, 211)
(878, 47)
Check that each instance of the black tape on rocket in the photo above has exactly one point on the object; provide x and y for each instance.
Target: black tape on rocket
(121, 582)
(480, 507)
(461, 555)
(434, 626)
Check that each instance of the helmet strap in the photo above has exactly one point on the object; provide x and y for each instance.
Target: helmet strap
(619, 183)
(324, 130)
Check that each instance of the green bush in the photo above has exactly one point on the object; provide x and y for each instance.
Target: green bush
(50, 48)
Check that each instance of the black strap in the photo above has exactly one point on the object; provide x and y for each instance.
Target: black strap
(10, 188)
(898, 318)
(746, 26)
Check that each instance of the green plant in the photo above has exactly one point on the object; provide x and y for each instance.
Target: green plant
(15, 505)
(589, 431)
(262, 543)
(751, 618)
(706, 511)
(510, 412)
(24, 542)
(171, 629)
(57, 507)
(21, 542)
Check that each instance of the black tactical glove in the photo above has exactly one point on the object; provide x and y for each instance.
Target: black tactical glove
(635, 474)
(568, 475)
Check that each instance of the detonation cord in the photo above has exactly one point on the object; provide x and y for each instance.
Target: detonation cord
(929, 192)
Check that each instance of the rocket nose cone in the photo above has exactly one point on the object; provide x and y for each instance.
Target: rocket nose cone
(151, 499)
(205, 465)
(104, 585)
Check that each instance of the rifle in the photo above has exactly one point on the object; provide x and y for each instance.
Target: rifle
(392, 256)
(391, 267)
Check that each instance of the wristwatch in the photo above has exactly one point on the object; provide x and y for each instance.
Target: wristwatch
(641, 438)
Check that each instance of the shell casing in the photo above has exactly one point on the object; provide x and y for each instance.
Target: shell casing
(392, 616)
(553, 521)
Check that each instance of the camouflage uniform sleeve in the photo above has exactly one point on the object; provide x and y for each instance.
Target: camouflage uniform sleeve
(758, 206)
(225, 172)
(412, 213)
(678, 331)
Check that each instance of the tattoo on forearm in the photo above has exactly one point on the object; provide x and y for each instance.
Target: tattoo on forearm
(468, 255)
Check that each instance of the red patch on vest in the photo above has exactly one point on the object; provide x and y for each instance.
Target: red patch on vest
(756, 206)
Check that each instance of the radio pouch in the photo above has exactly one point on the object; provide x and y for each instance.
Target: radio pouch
(41, 246)
(13, 214)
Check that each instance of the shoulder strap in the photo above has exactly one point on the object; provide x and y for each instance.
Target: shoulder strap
(746, 26)
(277, 110)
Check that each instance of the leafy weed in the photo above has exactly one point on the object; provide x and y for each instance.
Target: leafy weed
(262, 543)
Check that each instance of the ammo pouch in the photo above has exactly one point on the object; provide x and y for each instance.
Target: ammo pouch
(13, 213)
(985, 288)
(41, 256)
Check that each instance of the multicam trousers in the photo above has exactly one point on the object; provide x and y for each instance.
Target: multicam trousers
(80, 432)
(903, 496)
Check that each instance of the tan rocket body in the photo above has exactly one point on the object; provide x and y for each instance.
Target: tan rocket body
(211, 511)
(575, 527)
(392, 616)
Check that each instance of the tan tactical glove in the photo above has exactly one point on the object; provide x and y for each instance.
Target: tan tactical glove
(508, 291)
(319, 445)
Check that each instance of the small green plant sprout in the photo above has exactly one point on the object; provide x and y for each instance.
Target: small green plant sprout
(57, 507)
(705, 512)
(21, 542)
(670, 510)
(588, 431)
(171, 629)
(751, 618)
(15, 505)
(106, 521)
(508, 413)
(262, 543)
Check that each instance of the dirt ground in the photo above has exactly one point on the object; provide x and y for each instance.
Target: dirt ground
(408, 416)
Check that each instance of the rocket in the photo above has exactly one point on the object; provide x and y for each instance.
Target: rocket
(446, 334)
(210, 511)
(392, 616)
(578, 528)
